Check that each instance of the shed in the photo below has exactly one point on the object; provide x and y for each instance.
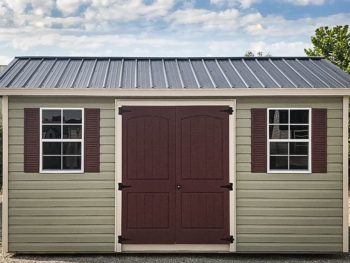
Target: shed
(113, 155)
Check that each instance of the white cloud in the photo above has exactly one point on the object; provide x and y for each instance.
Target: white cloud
(306, 2)
(127, 10)
(69, 6)
(4, 60)
(241, 3)
(281, 48)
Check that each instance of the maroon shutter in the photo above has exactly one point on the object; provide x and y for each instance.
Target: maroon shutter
(31, 140)
(92, 140)
(258, 141)
(319, 140)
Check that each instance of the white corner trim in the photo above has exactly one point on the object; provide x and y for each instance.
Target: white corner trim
(118, 176)
(5, 175)
(345, 175)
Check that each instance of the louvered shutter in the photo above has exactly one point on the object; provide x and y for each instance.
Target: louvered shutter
(31, 140)
(258, 141)
(92, 140)
(319, 140)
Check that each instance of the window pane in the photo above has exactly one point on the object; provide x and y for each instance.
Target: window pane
(72, 116)
(51, 163)
(278, 116)
(72, 148)
(51, 148)
(51, 131)
(299, 116)
(72, 131)
(279, 162)
(299, 132)
(51, 116)
(71, 163)
(299, 148)
(298, 162)
(278, 131)
(280, 148)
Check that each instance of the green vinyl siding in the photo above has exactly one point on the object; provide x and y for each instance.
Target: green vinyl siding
(275, 212)
(61, 212)
(289, 212)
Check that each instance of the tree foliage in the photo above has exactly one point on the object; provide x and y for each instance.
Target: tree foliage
(258, 54)
(333, 44)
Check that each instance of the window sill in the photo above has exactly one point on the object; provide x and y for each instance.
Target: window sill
(289, 172)
(62, 172)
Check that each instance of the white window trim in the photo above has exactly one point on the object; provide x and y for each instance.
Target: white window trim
(288, 140)
(41, 170)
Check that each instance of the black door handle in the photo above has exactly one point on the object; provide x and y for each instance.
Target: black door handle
(178, 187)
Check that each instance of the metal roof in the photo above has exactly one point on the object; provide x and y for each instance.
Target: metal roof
(173, 73)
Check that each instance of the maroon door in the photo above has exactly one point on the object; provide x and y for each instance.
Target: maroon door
(148, 206)
(202, 167)
(176, 160)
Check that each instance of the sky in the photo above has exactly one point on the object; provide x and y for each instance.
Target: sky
(150, 28)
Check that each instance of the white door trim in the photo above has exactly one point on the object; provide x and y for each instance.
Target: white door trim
(118, 174)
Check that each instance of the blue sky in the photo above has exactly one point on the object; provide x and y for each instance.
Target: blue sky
(163, 27)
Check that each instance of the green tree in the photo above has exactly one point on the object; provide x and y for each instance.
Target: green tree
(333, 44)
(258, 54)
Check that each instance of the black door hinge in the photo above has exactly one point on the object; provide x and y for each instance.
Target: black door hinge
(228, 186)
(229, 239)
(122, 186)
(229, 110)
(121, 110)
(122, 239)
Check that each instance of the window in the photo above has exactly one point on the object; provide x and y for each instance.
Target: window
(288, 141)
(61, 145)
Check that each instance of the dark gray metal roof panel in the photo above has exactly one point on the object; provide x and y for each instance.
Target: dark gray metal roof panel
(201, 73)
(143, 74)
(216, 74)
(157, 74)
(249, 78)
(173, 73)
(188, 77)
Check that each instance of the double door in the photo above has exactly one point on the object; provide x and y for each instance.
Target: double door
(175, 175)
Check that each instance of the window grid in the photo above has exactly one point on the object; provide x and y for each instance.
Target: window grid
(289, 140)
(62, 140)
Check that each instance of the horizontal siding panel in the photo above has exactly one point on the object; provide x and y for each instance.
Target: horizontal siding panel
(62, 229)
(61, 247)
(286, 229)
(71, 185)
(21, 176)
(309, 185)
(105, 202)
(62, 211)
(47, 194)
(289, 194)
(61, 220)
(291, 238)
(62, 238)
(289, 247)
(282, 211)
(289, 178)
(292, 102)
(280, 220)
(313, 203)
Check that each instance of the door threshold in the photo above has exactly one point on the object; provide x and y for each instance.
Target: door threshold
(176, 248)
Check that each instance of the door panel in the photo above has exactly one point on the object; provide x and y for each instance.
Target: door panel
(175, 159)
(202, 167)
(148, 213)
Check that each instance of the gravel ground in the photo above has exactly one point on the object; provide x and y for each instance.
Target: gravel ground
(174, 258)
